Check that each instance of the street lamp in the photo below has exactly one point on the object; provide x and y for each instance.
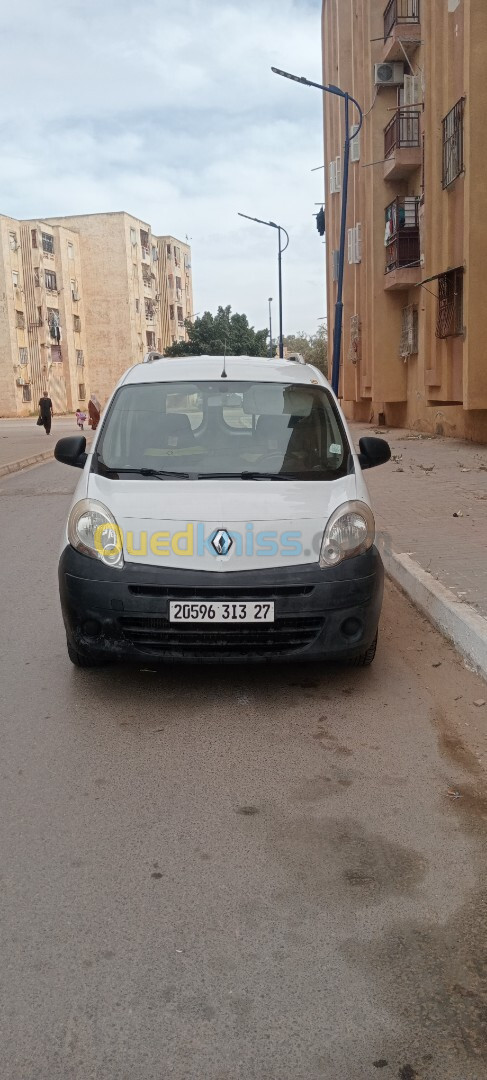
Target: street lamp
(347, 98)
(271, 351)
(281, 250)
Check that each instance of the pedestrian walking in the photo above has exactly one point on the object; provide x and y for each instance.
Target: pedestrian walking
(46, 412)
(94, 410)
(80, 419)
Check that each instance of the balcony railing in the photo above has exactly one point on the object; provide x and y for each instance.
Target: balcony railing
(402, 233)
(400, 11)
(402, 131)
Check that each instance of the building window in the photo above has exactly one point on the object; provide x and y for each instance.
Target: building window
(12, 240)
(137, 305)
(81, 391)
(50, 280)
(149, 309)
(180, 316)
(33, 236)
(37, 279)
(74, 292)
(20, 320)
(56, 356)
(133, 237)
(70, 250)
(170, 281)
(48, 243)
(80, 360)
(151, 339)
(147, 275)
(144, 241)
(355, 244)
(76, 324)
(450, 304)
(168, 250)
(15, 279)
(409, 332)
(177, 256)
(453, 164)
(23, 356)
(26, 393)
(335, 176)
(39, 316)
(171, 311)
(53, 324)
(155, 254)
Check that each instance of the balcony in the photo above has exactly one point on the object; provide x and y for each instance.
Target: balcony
(402, 243)
(402, 29)
(402, 145)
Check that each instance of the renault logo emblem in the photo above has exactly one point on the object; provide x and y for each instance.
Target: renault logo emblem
(221, 541)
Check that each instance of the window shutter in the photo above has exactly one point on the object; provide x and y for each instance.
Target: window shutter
(332, 177)
(358, 243)
(338, 174)
(412, 90)
(335, 262)
(354, 143)
(351, 245)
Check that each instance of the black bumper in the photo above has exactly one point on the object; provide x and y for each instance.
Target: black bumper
(124, 613)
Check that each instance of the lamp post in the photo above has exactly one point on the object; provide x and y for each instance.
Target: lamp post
(271, 351)
(347, 98)
(281, 250)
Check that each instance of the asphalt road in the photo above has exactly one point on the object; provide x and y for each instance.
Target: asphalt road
(234, 874)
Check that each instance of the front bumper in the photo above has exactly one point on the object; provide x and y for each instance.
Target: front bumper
(124, 613)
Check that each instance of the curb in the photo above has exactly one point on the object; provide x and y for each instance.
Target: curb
(458, 622)
(16, 466)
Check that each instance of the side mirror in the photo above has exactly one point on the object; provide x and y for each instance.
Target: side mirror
(71, 451)
(373, 452)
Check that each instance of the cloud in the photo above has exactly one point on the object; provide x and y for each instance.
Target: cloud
(173, 114)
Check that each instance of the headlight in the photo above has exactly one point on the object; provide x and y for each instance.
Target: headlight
(93, 530)
(349, 532)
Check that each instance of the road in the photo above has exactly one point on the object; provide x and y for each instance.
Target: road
(21, 438)
(234, 874)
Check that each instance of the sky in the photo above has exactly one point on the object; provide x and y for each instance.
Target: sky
(170, 111)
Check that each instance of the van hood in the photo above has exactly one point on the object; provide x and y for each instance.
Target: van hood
(270, 522)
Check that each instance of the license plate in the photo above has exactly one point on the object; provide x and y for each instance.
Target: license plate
(220, 612)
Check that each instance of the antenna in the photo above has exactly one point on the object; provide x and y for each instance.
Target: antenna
(224, 372)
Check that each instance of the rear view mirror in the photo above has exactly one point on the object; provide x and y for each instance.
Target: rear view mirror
(373, 452)
(71, 451)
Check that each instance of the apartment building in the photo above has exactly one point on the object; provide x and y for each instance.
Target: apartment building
(414, 343)
(177, 287)
(138, 291)
(42, 318)
(81, 299)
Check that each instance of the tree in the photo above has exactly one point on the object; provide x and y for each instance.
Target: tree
(313, 347)
(212, 335)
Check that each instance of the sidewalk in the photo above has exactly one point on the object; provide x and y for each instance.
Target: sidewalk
(416, 498)
(21, 440)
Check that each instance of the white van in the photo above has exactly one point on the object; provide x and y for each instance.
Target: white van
(221, 515)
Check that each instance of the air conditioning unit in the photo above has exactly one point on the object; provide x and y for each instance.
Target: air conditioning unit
(21, 382)
(389, 74)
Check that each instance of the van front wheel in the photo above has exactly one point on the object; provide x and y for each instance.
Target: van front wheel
(85, 660)
(366, 658)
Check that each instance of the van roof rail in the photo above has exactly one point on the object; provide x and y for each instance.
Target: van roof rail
(152, 355)
(297, 358)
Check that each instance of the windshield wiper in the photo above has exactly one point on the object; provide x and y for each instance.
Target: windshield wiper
(245, 475)
(161, 474)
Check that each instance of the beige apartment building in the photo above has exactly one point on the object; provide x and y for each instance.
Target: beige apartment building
(138, 291)
(81, 299)
(414, 329)
(42, 318)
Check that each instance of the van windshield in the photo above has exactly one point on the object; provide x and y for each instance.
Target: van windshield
(201, 430)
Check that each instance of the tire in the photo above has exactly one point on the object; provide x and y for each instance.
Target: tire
(85, 660)
(366, 658)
